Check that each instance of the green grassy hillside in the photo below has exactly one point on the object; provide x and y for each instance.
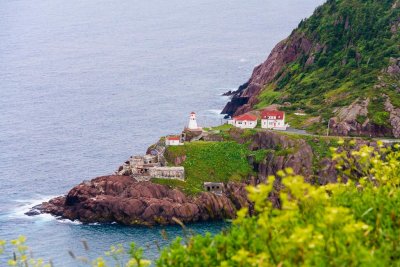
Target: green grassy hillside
(353, 42)
(236, 159)
(209, 162)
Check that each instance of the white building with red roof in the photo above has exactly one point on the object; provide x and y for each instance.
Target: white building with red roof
(173, 141)
(273, 119)
(244, 121)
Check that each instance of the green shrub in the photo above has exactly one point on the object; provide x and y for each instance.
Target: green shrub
(267, 97)
(361, 119)
(381, 118)
(346, 224)
(351, 224)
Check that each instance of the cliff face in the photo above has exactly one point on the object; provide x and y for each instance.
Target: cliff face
(123, 200)
(284, 53)
(346, 52)
(282, 152)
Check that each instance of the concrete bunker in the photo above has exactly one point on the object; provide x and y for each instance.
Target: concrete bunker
(213, 187)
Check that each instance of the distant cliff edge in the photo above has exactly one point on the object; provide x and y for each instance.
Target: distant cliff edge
(341, 67)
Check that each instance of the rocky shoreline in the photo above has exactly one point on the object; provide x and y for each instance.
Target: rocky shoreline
(124, 200)
(128, 201)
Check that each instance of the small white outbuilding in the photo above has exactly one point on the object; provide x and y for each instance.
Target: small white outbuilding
(173, 141)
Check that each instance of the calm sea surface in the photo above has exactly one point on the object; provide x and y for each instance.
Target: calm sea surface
(86, 84)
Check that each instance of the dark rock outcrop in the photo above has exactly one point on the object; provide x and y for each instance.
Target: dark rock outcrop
(347, 121)
(394, 66)
(285, 152)
(123, 200)
(394, 117)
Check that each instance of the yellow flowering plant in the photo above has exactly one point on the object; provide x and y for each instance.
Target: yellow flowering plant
(353, 223)
(292, 223)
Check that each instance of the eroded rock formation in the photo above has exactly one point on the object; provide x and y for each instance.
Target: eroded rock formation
(123, 200)
(285, 152)
(353, 120)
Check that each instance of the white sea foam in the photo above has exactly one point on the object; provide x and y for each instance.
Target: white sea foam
(46, 217)
(66, 221)
(215, 111)
(222, 90)
(25, 205)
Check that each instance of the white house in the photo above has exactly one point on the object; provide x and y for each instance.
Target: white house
(273, 119)
(173, 141)
(244, 121)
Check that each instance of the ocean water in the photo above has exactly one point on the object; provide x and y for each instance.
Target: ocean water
(86, 84)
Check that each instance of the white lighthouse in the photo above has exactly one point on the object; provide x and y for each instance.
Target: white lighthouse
(192, 122)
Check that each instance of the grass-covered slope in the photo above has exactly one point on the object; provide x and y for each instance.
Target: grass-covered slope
(347, 50)
(208, 162)
(355, 43)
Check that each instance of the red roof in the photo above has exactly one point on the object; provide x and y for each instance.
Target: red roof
(273, 113)
(245, 117)
(192, 112)
(173, 138)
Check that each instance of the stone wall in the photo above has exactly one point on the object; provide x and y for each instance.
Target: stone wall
(168, 173)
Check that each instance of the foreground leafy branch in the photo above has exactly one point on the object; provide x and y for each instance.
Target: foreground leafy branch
(353, 223)
(346, 224)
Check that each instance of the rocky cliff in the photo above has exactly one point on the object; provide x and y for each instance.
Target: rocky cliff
(344, 58)
(282, 152)
(123, 200)
(284, 53)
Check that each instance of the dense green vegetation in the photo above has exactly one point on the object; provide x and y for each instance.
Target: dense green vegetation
(229, 161)
(378, 115)
(352, 42)
(355, 223)
(209, 162)
(352, 224)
